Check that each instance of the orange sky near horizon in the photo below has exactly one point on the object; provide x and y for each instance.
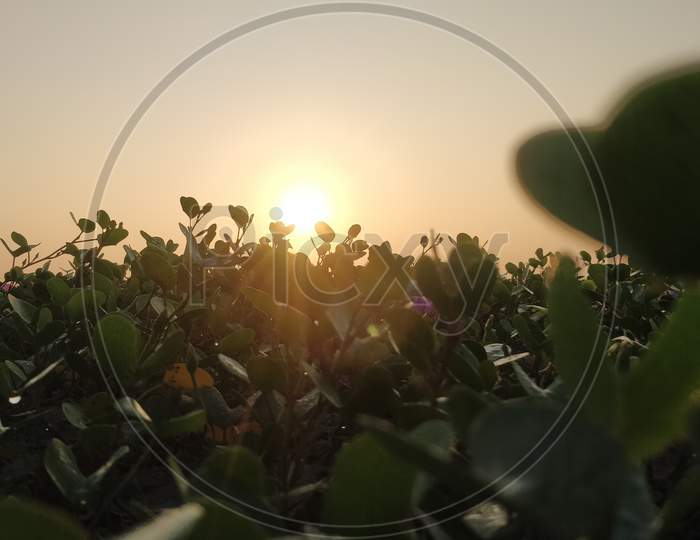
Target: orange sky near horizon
(349, 118)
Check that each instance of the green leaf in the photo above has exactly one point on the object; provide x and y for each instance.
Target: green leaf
(221, 523)
(568, 479)
(75, 415)
(261, 300)
(132, 409)
(426, 448)
(98, 439)
(41, 375)
(368, 486)
(652, 142)
(157, 268)
(163, 305)
(31, 520)
(7, 385)
(86, 225)
(189, 206)
(169, 352)
(656, 395)
(599, 275)
(412, 336)
(292, 325)
(489, 374)
(324, 231)
(238, 341)
(637, 515)
(236, 471)
(175, 524)
(80, 298)
(440, 484)
(430, 284)
(117, 345)
(106, 286)
(682, 501)
(44, 318)
(59, 291)
(112, 237)
(95, 479)
(530, 387)
(239, 214)
(649, 143)
(521, 325)
(19, 239)
(218, 412)
(103, 219)
(464, 406)
(464, 366)
(233, 367)
(579, 347)
(267, 373)
(324, 384)
(551, 168)
(62, 467)
(374, 393)
(193, 422)
(24, 309)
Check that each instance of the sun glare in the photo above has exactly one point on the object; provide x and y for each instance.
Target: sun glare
(304, 205)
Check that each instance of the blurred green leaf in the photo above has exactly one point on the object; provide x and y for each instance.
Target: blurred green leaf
(579, 347)
(412, 336)
(643, 164)
(656, 395)
(373, 393)
(174, 524)
(30, 520)
(568, 479)
(368, 486)
(236, 471)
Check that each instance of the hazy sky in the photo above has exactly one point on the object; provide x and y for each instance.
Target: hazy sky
(398, 126)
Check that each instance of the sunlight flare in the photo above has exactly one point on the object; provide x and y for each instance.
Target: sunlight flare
(304, 205)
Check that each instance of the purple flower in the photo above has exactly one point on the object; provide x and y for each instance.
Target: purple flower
(7, 286)
(422, 305)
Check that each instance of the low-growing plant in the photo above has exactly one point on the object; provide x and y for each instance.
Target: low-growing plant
(234, 389)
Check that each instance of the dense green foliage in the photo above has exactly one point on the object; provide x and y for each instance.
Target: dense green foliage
(458, 397)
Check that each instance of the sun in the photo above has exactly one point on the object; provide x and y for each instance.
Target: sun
(304, 205)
